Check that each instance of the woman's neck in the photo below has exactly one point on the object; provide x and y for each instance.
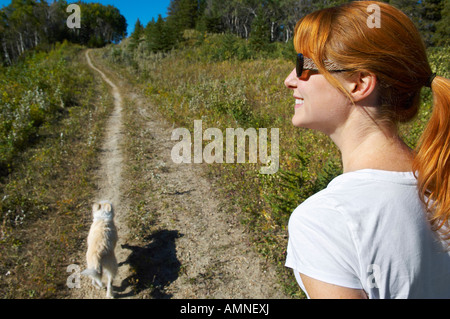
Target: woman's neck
(373, 147)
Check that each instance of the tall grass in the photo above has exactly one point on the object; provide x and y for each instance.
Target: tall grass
(216, 79)
(46, 192)
(34, 92)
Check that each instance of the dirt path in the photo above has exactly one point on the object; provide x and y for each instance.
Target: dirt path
(199, 249)
(109, 186)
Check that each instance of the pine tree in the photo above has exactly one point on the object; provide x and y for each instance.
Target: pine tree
(260, 33)
(430, 15)
(442, 35)
(408, 7)
(182, 15)
(138, 30)
(211, 18)
(135, 37)
(159, 36)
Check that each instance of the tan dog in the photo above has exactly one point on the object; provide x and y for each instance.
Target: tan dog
(102, 241)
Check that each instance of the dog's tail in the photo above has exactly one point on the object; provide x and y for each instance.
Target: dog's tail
(90, 273)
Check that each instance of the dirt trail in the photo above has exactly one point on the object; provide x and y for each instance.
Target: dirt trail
(109, 186)
(200, 250)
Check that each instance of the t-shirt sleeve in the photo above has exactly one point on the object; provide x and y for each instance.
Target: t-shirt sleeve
(321, 245)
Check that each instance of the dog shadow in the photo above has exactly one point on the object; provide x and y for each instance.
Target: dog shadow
(154, 266)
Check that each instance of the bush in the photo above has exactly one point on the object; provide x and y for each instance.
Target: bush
(32, 93)
(293, 186)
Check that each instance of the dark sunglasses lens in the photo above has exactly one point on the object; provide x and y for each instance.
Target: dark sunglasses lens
(299, 67)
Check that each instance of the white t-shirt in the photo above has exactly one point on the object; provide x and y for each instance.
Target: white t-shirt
(368, 230)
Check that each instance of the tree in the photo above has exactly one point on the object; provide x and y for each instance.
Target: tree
(260, 32)
(101, 24)
(138, 30)
(26, 24)
(137, 34)
(442, 35)
(3, 32)
(430, 15)
(182, 15)
(55, 28)
(159, 36)
(22, 25)
(184, 12)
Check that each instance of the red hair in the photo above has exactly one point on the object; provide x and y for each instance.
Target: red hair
(396, 54)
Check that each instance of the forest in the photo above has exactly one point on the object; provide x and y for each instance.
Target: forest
(266, 21)
(29, 24)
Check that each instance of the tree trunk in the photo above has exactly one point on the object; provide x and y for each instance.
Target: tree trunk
(36, 39)
(288, 34)
(5, 52)
(272, 27)
(20, 44)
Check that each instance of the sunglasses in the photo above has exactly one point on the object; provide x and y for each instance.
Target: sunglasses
(304, 63)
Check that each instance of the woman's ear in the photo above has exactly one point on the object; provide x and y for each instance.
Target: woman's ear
(362, 86)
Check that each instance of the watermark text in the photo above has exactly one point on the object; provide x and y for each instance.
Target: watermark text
(74, 20)
(374, 20)
(74, 280)
(236, 139)
(374, 278)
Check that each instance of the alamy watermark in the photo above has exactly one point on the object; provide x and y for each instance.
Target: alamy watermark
(374, 278)
(374, 20)
(74, 20)
(183, 152)
(74, 279)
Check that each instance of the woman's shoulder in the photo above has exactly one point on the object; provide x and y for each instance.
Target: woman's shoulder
(358, 191)
(327, 207)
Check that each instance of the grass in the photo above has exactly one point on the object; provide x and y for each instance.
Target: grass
(45, 197)
(33, 93)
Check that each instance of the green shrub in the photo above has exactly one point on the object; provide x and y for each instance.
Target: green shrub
(293, 186)
(32, 93)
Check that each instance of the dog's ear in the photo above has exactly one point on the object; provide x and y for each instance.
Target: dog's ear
(95, 207)
(107, 207)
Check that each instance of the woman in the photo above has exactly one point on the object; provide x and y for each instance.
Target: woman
(380, 230)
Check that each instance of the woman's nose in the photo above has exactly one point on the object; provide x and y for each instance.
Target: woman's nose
(291, 80)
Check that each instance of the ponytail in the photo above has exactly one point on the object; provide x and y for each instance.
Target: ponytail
(432, 161)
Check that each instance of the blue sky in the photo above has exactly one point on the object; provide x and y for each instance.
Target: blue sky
(145, 10)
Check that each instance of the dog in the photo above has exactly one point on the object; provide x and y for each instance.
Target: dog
(102, 240)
